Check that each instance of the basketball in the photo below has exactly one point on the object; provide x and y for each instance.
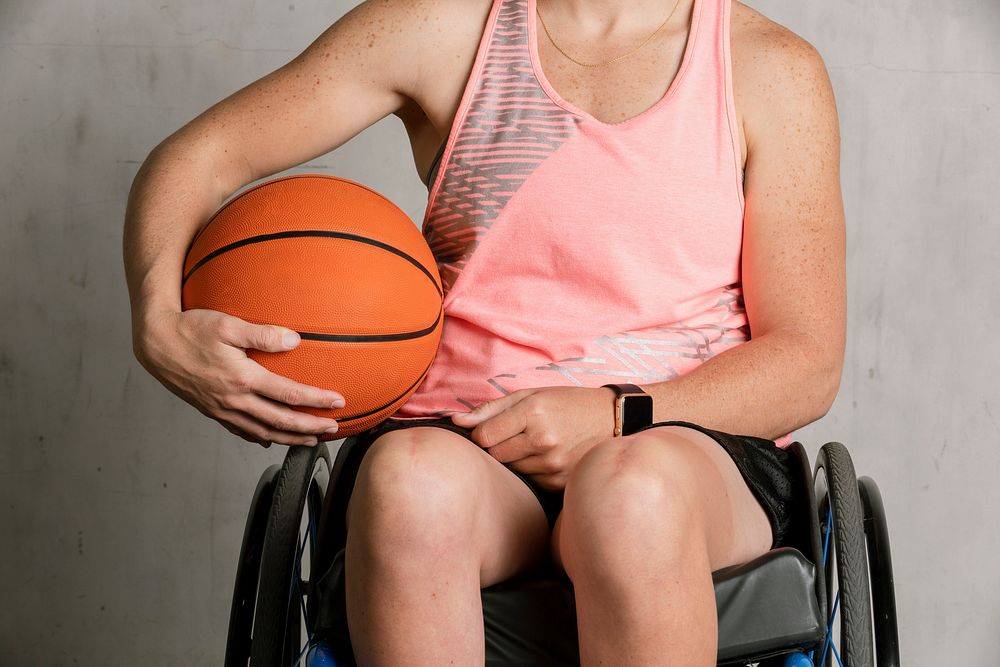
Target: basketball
(341, 265)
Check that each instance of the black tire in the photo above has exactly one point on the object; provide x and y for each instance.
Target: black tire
(836, 487)
(269, 581)
(883, 586)
(248, 572)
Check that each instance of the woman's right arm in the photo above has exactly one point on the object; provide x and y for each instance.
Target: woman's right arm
(350, 77)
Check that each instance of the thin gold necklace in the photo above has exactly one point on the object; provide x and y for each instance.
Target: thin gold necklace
(549, 35)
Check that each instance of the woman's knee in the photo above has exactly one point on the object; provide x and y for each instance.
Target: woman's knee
(416, 483)
(629, 496)
(633, 475)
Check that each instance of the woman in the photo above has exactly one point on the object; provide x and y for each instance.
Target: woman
(619, 194)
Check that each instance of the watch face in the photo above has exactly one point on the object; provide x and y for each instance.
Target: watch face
(637, 411)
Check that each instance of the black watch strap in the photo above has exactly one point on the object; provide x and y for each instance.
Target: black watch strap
(624, 389)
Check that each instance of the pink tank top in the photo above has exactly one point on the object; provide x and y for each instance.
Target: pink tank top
(575, 252)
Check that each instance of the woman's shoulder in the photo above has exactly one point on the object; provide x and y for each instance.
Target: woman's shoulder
(756, 37)
(776, 72)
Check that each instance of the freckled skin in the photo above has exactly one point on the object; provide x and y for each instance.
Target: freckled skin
(412, 59)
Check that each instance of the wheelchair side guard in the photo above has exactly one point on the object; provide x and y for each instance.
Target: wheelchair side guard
(330, 619)
(767, 606)
(810, 544)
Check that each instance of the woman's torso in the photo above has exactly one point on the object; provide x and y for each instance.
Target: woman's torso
(587, 227)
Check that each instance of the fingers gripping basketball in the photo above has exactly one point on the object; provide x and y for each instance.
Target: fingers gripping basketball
(263, 337)
(336, 265)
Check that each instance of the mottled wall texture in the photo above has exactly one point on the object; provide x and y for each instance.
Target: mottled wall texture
(122, 507)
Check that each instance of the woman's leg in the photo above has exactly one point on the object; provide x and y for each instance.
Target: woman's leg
(646, 519)
(432, 520)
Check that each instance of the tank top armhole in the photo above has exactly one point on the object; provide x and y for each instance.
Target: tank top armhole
(471, 85)
(435, 163)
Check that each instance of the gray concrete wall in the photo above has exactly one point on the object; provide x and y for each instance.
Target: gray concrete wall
(122, 508)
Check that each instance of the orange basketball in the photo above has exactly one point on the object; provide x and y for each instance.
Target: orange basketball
(341, 265)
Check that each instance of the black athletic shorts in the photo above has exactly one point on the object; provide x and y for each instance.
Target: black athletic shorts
(767, 469)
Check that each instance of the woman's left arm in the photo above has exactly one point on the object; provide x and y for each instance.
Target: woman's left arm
(793, 263)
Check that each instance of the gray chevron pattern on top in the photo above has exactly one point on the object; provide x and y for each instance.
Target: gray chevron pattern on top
(509, 129)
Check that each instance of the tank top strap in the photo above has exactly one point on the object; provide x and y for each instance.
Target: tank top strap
(707, 31)
(717, 59)
(705, 69)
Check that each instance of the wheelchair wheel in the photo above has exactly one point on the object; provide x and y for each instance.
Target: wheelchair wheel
(844, 560)
(248, 571)
(883, 587)
(272, 579)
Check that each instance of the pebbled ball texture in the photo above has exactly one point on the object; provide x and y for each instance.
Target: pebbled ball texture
(344, 267)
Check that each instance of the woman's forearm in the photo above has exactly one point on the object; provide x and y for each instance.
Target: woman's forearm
(766, 387)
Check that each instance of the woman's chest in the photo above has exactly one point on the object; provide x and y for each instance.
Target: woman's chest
(609, 96)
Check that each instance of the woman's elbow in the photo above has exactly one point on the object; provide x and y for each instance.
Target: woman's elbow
(830, 376)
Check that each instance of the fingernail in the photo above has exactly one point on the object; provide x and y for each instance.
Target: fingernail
(332, 429)
(290, 339)
(338, 402)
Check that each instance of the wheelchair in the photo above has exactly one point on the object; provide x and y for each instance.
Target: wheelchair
(780, 609)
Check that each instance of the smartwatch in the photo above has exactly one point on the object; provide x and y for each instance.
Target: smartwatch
(633, 408)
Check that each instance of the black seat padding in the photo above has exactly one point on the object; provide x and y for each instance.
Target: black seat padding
(767, 604)
(765, 607)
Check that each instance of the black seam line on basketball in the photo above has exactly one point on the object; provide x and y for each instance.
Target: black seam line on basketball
(310, 232)
(370, 338)
(236, 197)
(399, 396)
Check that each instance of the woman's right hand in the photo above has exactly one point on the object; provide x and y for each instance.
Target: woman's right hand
(200, 356)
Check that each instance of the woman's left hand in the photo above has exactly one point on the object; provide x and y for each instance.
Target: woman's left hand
(544, 431)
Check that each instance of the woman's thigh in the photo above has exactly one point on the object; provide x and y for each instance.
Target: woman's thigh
(427, 480)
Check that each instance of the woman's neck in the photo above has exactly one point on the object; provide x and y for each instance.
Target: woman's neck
(600, 19)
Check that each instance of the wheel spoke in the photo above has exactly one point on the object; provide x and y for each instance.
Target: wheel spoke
(829, 632)
(299, 589)
(298, 661)
(836, 603)
(826, 535)
(836, 655)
